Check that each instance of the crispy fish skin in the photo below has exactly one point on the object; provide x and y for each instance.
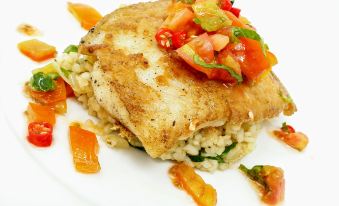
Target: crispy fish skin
(156, 95)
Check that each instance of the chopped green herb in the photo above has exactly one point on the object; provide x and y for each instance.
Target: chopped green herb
(196, 21)
(232, 2)
(284, 127)
(42, 82)
(254, 174)
(286, 99)
(219, 158)
(199, 61)
(248, 33)
(53, 75)
(66, 72)
(71, 48)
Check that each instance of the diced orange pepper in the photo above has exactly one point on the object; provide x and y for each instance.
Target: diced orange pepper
(183, 176)
(59, 107)
(236, 21)
(37, 50)
(85, 14)
(57, 95)
(40, 113)
(84, 147)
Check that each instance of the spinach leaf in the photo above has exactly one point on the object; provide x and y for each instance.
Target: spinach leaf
(220, 158)
(42, 82)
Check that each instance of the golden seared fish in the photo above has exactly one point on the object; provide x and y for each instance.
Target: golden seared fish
(155, 95)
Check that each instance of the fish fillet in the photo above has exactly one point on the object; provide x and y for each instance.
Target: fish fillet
(156, 95)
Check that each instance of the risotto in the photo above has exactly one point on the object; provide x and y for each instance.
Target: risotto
(208, 149)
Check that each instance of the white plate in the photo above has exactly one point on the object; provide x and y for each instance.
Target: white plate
(300, 33)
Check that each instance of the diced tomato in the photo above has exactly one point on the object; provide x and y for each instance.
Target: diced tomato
(219, 41)
(84, 147)
(269, 180)
(296, 140)
(179, 39)
(40, 113)
(40, 134)
(179, 20)
(235, 11)
(164, 38)
(57, 95)
(248, 53)
(85, 14)
(69, 90)
(184, 176)
(37, 50)
(236, 21)
(226, 5)
(202, 45)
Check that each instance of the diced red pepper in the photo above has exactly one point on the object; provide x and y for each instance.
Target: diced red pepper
(235, 11)
(179, 39)
(164, 38)
(226, 5)
(40, 134)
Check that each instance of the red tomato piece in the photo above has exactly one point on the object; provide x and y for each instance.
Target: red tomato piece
(248, 53)
(269, 180)
(164, 38)
(179, 39)
(69, 90)
(203, 46)
(40, 134)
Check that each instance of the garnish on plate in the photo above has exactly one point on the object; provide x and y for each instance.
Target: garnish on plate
(37, 50)
(269, 181)
(28, 30)
(184, 176)
(85, 14)
(84, 146)
(214, 39)
(287, 134)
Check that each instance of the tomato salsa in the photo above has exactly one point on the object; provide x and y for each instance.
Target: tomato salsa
(212, 37)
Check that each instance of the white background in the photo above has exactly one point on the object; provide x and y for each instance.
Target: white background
(303, 34)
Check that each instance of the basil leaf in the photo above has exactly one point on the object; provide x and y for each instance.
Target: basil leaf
(254, 174)
(196, 21)
(42, 82)
(66, 72)
(287, 99)
(199, 61)
(71, 48)
(248, 33)
(53, 75)
(232, 2)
